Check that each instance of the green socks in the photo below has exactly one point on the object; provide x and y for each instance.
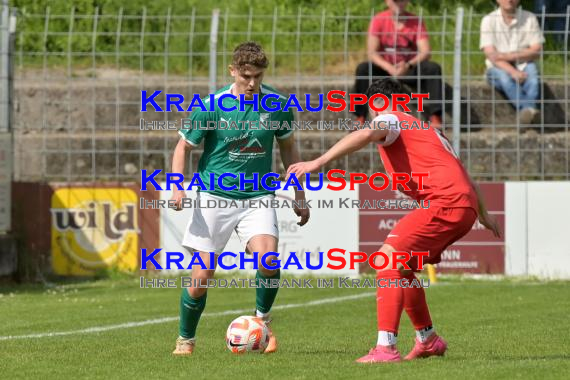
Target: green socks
(264, 294)
(191, 308)
(190, 311)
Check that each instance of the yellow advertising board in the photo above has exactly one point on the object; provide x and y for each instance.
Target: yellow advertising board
(94, 229)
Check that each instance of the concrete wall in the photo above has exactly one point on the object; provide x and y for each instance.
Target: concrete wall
(538, 229)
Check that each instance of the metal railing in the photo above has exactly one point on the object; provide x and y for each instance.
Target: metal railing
(79, 76)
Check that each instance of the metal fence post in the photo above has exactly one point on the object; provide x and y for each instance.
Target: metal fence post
(541, 76)
(69, 86)
(4, 66)
(94, 95)
(7, 29)
(273, 39)
(224, 46)
(457, 81)
(469, 78)
(118, 96)
(566, 110)
(213, 50)
(141, 79)
(298, 52)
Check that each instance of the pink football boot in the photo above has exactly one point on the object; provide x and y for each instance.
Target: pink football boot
(381, 354)
(433, 346)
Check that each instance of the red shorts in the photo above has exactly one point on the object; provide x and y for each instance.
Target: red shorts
(433, 229)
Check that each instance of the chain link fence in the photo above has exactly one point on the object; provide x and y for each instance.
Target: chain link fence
(78, 81)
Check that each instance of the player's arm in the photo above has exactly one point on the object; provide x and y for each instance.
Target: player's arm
(178, 163)
(290, 155)
(190, 138)
(350, 143)
(485, 219)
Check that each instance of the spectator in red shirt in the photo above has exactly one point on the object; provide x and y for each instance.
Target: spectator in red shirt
(398, 46)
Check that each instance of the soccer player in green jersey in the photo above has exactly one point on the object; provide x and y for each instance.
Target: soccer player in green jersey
(247, 149)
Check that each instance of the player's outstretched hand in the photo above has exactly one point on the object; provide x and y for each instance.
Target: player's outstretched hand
(177, 196)
(303, 213)
(301, 168)
(491, 223)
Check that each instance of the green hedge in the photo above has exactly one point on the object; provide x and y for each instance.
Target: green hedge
(31, 24)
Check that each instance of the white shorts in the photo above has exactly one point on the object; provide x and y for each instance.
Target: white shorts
(209, 229)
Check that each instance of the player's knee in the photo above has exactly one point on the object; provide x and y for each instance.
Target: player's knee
(384, 261)
(267, 265)
(200, 279)
(262, 244)
(268, 272)
(197, 291)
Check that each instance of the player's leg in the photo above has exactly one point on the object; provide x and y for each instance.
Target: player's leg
(208, 230)
(264, 295)
(432, 230)
(418, 231)
(389, 306)
(390, 297)
(192, 304)
(257, 228)
(428, 343)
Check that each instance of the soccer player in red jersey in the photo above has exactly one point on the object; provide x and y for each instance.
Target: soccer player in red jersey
(455, 205)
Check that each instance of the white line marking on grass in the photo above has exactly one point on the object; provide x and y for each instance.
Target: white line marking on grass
(127, 325)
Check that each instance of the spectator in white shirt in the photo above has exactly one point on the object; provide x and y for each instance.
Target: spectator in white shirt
(511, 40)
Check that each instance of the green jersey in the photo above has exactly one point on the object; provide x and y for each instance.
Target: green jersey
(242, 143)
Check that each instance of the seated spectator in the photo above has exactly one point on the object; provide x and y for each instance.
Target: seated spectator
(398, 46)
(512, 40)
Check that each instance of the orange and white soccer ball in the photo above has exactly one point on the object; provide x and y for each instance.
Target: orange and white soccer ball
(247, 334)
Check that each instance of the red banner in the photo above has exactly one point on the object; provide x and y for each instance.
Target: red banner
(477, 252)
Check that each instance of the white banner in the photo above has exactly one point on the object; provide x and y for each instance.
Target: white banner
(327, 228)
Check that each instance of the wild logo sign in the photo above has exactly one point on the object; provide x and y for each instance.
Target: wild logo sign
(93, 229)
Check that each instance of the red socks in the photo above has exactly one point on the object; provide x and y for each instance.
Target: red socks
(392, 299)
(416, 305)
(389, 300)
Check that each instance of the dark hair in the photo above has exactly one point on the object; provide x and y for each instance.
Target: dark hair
(386, 87)
(249, 53)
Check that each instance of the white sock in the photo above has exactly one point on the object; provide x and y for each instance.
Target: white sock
(261, 315)
(387, 338)
(424, 334)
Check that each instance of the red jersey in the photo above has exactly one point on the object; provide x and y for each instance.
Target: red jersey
(397, 45)
(409, 148)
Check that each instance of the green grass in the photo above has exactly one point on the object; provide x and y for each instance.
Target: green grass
(308, 53)
(504, 329)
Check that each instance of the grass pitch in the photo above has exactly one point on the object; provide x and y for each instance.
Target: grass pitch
(495, 329)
